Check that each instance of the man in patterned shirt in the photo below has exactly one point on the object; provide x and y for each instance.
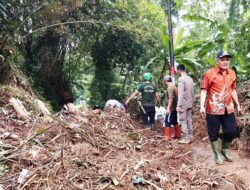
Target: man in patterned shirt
(218, 86)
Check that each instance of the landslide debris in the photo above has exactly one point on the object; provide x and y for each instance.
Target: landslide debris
(96, 150)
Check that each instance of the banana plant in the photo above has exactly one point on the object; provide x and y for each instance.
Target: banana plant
(226, 36)
(183, 50)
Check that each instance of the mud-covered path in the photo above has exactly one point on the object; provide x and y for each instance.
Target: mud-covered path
(202, 155)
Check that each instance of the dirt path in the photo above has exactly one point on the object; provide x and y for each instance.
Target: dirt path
(203, 155)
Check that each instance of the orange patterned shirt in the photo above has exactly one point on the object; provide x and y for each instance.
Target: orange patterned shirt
(219, 90)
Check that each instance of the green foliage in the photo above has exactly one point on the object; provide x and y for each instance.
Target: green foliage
(205, 48)
(99, 49)
(118, 49)
(234, 14)
(218, 29)
(125, 44)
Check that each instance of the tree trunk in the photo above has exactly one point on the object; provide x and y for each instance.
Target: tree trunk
(20, 109)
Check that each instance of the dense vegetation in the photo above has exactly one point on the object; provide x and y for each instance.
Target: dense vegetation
(95, 50)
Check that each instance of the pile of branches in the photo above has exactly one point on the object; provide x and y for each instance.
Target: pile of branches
(96, 150)
(243, 121)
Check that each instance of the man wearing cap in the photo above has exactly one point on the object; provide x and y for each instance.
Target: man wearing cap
(185, 104)
(171, 114)
(218, 86)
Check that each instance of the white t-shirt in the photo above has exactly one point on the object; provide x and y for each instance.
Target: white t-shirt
(114, 104)
(160, 114)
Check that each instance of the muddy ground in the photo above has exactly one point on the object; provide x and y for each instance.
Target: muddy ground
(109, 150)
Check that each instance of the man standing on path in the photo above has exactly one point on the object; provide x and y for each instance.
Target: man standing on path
(218, 85)
(171, 113)
(185, 104)
(149, 93)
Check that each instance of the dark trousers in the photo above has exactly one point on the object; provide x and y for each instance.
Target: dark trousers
(171, 119)
(150, 112)
(228, 123)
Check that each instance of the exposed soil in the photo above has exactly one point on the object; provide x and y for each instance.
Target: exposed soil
(108, 150)
(203, 155)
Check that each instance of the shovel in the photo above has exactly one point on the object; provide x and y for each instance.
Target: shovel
(142, 107)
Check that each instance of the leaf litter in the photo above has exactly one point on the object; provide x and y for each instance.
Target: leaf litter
(103, 150)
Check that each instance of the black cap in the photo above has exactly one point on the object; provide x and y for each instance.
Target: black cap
(181, 67)
(223, 54)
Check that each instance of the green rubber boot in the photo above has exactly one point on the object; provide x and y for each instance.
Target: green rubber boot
(217, 153)
(146, 126)
(153, 127)
(225, 151)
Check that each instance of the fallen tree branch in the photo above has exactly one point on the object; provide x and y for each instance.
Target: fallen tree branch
(183, 154)
(19, 108)
(93, 141)
(124, 173)
(13, 153)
